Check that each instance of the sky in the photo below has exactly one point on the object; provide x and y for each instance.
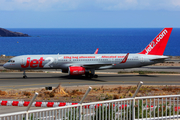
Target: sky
(89, 13)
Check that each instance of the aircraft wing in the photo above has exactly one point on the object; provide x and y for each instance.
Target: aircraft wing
(96, 65)
(102, 64)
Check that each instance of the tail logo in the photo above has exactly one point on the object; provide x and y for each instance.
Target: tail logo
(156, 41)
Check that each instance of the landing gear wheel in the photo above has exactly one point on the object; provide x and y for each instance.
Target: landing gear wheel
(86, 75)
(95, 76)
(24, 76)
(91, 76)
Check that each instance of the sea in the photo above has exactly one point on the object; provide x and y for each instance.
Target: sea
(85, 41)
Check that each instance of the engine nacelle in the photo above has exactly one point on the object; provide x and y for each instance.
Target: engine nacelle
(76, 70)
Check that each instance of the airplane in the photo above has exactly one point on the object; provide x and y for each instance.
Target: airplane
(86, 64)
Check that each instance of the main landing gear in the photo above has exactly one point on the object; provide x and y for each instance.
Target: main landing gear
(91, 74)
(24, 74)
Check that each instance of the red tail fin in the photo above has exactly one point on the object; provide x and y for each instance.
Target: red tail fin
(96, 52)
(158, 45)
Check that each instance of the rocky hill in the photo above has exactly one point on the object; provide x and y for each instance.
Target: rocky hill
(8, 33)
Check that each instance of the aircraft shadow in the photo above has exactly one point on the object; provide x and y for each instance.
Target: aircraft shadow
(81, 78)
(56, 77)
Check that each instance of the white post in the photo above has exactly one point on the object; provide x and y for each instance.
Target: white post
(30, 104)
(133, 110)
(80, 109)
(89, 89)
(80, 112)
(137, 90)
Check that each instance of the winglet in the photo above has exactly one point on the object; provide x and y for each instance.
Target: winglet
(158, 44)
(96, 52)
(125, 58)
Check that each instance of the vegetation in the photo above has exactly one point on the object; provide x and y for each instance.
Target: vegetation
(98, 93)
(141, 111)
(105, 112)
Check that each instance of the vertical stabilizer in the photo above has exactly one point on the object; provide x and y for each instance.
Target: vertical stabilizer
(158, 45)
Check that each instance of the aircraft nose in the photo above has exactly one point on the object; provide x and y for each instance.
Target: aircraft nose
(5, 65)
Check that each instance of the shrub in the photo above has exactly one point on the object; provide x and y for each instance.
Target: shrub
(3, 93)
(27, 93)
(116, 97)
(46, 93)
(107, 97)
(40, 95)
(101, 112)
(51, 94)
(141, 72)
(130, 94)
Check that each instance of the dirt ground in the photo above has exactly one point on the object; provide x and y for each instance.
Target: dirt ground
(98, 93)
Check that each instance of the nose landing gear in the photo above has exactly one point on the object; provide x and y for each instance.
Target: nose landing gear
(24, 74)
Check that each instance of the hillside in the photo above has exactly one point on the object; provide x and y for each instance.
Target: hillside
(8, 33)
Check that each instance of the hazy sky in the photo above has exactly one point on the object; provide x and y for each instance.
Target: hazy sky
(89, 13)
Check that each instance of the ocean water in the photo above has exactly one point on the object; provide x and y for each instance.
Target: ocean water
(85, 41)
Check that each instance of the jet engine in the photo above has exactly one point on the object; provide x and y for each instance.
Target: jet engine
(76, 70)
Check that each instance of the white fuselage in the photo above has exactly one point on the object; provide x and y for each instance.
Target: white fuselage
(89, 61)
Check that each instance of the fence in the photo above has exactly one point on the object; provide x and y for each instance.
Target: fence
(152, 107)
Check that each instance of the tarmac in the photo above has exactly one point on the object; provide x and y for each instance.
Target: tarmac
(37, 80)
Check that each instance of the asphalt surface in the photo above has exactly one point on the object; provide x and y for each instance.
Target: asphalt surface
(36, 80)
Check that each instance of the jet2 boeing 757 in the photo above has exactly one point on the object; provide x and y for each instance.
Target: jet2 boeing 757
(86, 64)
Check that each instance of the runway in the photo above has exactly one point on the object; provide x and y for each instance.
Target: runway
(36, 80)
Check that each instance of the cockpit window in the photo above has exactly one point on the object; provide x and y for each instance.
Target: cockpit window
(12, 61)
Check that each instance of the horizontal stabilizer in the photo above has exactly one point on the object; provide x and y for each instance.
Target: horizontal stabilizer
(161, 58)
